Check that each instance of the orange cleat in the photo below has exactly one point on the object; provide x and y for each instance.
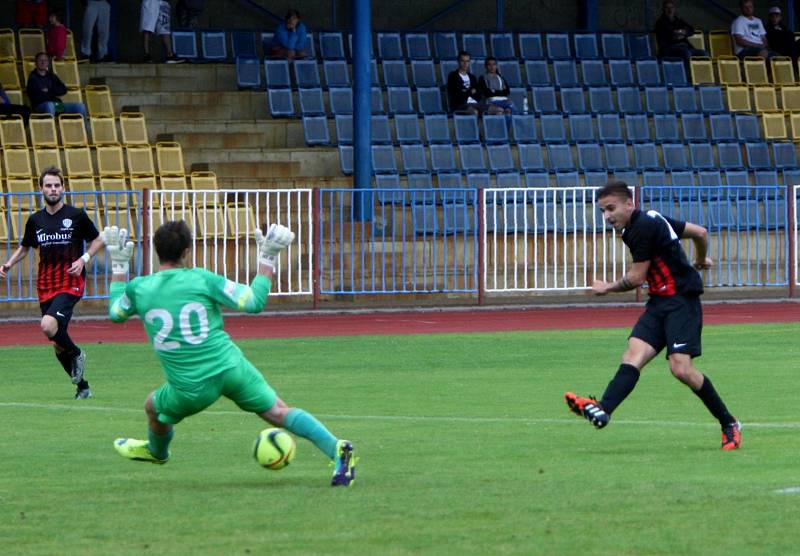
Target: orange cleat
(732, 436)
(587, 408)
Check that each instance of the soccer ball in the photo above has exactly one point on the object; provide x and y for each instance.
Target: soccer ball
(274, 449)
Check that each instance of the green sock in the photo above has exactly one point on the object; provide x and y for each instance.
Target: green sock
(159, 444)
(307, 426)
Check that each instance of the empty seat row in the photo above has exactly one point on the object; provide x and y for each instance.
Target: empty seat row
(72, 130)
(752, 70)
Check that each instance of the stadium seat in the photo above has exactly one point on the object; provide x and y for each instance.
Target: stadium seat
(617, 156)
(590, 157)
(639, 46)
(646, 156)
(666, 126)
(765, 98)
(567, 178)
(523, 128)
(560, 158)
(711, 100)
(213, 44)
(8, 44)
(344, 129)
(394, 73)
(280, 102)
(380, 132)
(581, 128)
(544, 100)
(702, 155)
(553, 130)
(423, 73)
(613, 46)
(601, 100)
(630, 100)
(621, 73)
(475, 44)
(104, 130)
(414, 158)
(306, 73)
(531, 157)
(586, 46)
(78, 162)
(502, 45)
(340, 100)
(530, 46)
(331, 46)
(466, 127)
(685, 100)
(565, 73)
(443, 158)
(336, 73)
(248, 72)
(67, 70)
(243, 44)
(648, 72)
(509, 69)
(277, 74)
(675, 156)
(747, 128)
(437, 129)
(729, 70)
(418, 46)
(594, 73)
(609, 127)
(755, 71)
(573, 100)
(785, 155)
(42, 128)
(445, 67)
(500, 158)
(637, 128)
(311, 103)
(429, 100)
(537, 73)
(674, 73)
(774, 126)
(383, 161)
(782, 70)
(472, 157)
(737, 178)
(170, 158)
(184, 43)
(730, 155)
(134, 128)
(558, 47)
(701, 69)
(389, 46)
(758, 155)
(73, 130)
(407, 129)
(738, 97)
(694, 127)
(657, 100)
(400, 101)
(495, 129)
(376, 101)
(110, 161)
(45, 157)
(98, 100)
(445, 46)
(722, 128)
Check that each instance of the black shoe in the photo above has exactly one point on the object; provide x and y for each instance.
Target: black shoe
(174, 60)
(78, 367)
(147, 59)
(83, 394)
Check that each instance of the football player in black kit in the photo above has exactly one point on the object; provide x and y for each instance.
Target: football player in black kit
(59, 231)
(673, 317)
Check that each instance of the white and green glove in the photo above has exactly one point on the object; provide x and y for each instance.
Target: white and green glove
(270, 246)
(119, 248)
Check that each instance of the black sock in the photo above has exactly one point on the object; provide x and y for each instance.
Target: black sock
(714, 403)
(65, 360)
(620, 386)
(62, 339)
(83, 384)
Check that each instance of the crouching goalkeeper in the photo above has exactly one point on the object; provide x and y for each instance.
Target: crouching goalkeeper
(180, 309)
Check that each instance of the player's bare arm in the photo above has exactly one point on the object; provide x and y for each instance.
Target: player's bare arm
(77, 267)
(20, 253)
(699, 236)
(635, 277)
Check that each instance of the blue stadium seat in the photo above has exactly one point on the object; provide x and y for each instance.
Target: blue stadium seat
(443, 158)
(537, 72)
(472, 158)
(581, 128)
(445, 67)
(566, 73)
(711, 99)
(609, 127)
(617, 156)
(685, 100)
(553, 128)
(710, 178)
(702, 155)
(621, 73)
(315, 130)
(423, 73)
(675, 156)
(458, 219)
(509, 69)
(586, 46)
(340, 100)
(414, 158)
(674, 73)
(646, 156)
(445, 46)
(277, 74)
(399, 100)
(613, 46)
(572, 100)
(630, 177)
(655, 178)
(407, 129)
(685, 181)
(666, 128)
(722, 128)
(311, 103)
(346, 159)
(601, 100)
(336, 73)
(648, 72)
(720, 215)
(737, 178)
(567, 178)
(394, 73)
(530, 46)
(747, 127)
(387, 194)
(537, 179)
(694, 127)
(466, 126)
(630, 100)
(785, 154)
(502, 45)
(184, 43)
(306, 73)
(243, 44)
(214, 45)
(531, 157)
(518, 95)
(380, 131)
(766, 177)
(429, 100)
(748, 215)
(383, 161)
(478, 180)
(418, 46)
(544, 100)
(500, 158)
(594, 73)
(331, 46)
(280, 102)
(558, 46)
(344, 129)
(523, 128)
(449, 181)
(474, 43)
(437, 129)
(376, 101)
(248, 73)
(639, 46)
(595, 178)
(657, 100)
(424, 220)
(560, 158)
(590, 157)
(509, 179)
(495, 129)
(637, 128)
(389, 46)
(375, 80)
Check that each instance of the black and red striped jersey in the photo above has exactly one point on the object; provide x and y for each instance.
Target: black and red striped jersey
(60, 239)
(653, 237)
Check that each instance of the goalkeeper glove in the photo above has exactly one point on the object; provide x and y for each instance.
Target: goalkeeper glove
(270, 246)
(119, 248)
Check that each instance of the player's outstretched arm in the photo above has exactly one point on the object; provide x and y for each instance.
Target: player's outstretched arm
(15, 257)
(120, 251)
(699, 236)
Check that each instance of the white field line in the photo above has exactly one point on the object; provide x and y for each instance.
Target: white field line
(790, 490)
(84, 406)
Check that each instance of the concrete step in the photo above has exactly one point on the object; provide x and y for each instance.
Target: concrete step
(275, 163)
(200, 98)
(184, 112)
(284, 183)
(275, 134)
(160, 77)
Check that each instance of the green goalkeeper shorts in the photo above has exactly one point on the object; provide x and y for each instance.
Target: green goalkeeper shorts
(242, 384)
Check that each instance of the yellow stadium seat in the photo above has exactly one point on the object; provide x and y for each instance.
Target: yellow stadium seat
(719, 43)
(134, 128)
(110, 161)
(782, 70)
(140, 183)
(113, 187)
(43, 130)
(31, 42)
(67, 70)
(17, 219)
(204, 180)
(79, 162)
(9, 76)
(29, 201)
(766, 98)
(104, 130)
(98, 100)
(73, 130)
(738, 98)
(3, 227)
(45, 157)
(211, 223)
(241, 220)
(140, 160)
(790, 98)
(170, 159)
(12, 132)
(698, 40)
(174, 191)
(8, 44)
(755, 70)
(15, 96)
(73, 95)
(729, 70)
(122, 218)
(774, 126)
(82, 192)
(70, 51)
(794, 120)
(702, 70)
(18, 163)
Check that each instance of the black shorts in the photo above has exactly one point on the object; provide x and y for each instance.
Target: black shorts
(60, 307)
(674, 322)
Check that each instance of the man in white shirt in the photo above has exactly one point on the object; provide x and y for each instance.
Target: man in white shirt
(749, 35)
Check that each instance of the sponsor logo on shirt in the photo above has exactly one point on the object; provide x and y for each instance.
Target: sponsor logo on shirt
(66, 224)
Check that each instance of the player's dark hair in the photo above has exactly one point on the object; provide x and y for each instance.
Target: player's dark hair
(171, 240)
(463, 53)
(42, 53)
(51, 171)
(619, 188)
(290, 13)
(489, 59)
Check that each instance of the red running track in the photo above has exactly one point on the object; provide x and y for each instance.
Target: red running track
(410, 322)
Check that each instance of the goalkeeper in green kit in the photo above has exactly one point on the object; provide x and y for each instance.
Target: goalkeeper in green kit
(180, 309)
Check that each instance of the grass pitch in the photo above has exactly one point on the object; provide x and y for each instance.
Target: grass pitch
(465, 442)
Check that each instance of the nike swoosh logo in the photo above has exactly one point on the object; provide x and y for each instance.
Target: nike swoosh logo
(59, 313)
(677, 346)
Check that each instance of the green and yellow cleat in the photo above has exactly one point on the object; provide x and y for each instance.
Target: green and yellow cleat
(344, 473)
(136, 450)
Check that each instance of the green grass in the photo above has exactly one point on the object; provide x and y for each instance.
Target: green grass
(466, 447)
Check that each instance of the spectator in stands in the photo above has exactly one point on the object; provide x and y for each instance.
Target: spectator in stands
(44, 89)
(31, 13)
(494, 91)
(749, 35)
(188, 11)
(289, 40)
(672, 34)
(155, 19)
(8, 109)
(56, 36)
(97, 13)
(779, 38)
(462, 87)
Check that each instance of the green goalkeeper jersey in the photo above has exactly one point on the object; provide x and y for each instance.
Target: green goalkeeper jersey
(181, 311)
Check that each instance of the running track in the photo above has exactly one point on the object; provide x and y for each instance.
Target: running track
(408, 322)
